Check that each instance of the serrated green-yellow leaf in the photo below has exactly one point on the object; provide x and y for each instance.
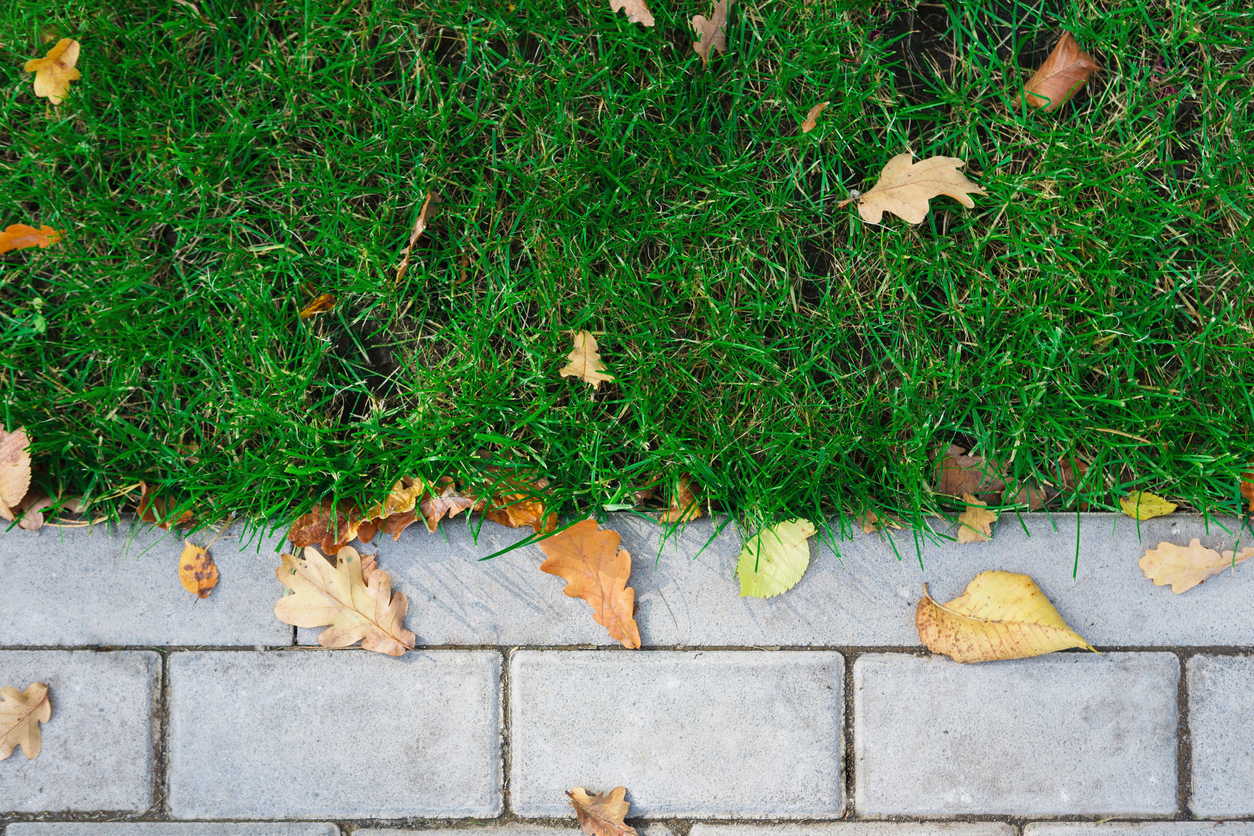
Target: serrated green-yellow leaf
(1143, 505)
(774, 559)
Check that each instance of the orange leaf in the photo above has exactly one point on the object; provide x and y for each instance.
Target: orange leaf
(812, 118)
(1060, 77)
(601, 814)
(320, 526)
(322, 304)
(197, 571)
(446, 501)
(55, 71)
(21, 236)
(596, 570)
(157, 510)
(684, 505)
(1247, 486)
(397, 523)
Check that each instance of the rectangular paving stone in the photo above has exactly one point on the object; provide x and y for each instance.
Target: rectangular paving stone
(1155, 828)
(334, 734)
(865, 596)
(97, 748)
(1222, 731)
(719, 734)
(173, 829)
(856, 828)
(504, 830)
(1064, 734)
(119, 586)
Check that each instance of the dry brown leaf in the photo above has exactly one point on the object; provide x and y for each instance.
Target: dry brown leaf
(905, 187)
(1247, 486)
(14, 470)
(602, 814)
(354, 597)
(812, 118)
(447, 501)
(518, 509)
(425, 214)
(397, 523)
(958, 474)
(870, 522)
(711, 32)
(321, 526)
(55, 71)
(322, 304)
(156, 510)
(1001, 615)
(403, 497)
(368, 529)
(197, 571)
(976, 522)
(1184, 567)
(1060, 77)
(596, 570)
(21, 236)
(31, 510)
(637, 11)
(684, 505)
(20, 716)
(584, 361)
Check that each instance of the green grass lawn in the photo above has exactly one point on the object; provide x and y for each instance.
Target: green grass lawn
(217, 174)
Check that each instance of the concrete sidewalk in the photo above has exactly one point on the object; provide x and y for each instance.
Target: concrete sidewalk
(818, 707)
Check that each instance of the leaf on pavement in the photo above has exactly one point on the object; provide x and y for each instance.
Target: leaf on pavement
(1060, 77)
(524, 504)
(584, 361)
(711, 32)
(20, 716)
(1184, 567)
(601, 814)
(31, 510)
(197, 571)
(905, 187)
(870, 522)
(425, 214)
(21, 236)
(637, 11)
(55, 71)
(322, 304)
(812, 118)
(446, 500)
(975, 523)
(596, 570)
(14, 470)
(1001, 615)
(684, 505)
(774, 559)
(329, 524)
(354, 597)
(1143, 505)
(158, 510)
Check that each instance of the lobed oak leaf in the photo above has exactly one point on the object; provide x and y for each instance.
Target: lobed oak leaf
(397, 523)
(1001, 615)
(584, 361)
(425, 214)
(157, 510)
(596, 570)
(55, 71)
(329, 524)
(197, 571)
(447, 501)
(869, 521)
(14, 470)
(1184, 567)
(773, 560)
(1061, 76)
(958, 474)
(403, 497)
(322, 304)
(812, 118)
(354, 597)
(20, 716)
(1143, 505)
(975, 523)
(526, 506)
(21, 236)
(711, 32)
(637, 11)
(602, 814)
(684, 506)
(905, 187)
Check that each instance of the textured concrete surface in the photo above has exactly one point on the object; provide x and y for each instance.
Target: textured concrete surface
(173, 829)
(1156, 828)
(1065, 734)
(343, 734)
(506, 830)
(1222, 728)
(97, 749)
(858, 828)
(718, 734)
(120, 586)
(865, 597)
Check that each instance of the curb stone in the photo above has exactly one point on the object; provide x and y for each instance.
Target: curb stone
(173, 829)
(1223, 735)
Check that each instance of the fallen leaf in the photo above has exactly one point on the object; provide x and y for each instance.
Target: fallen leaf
(905, 187)
(1060, 77)
(812, 118)
(1143, 505)
(425, 214)
(20, 716)
(397, 523)
(354, 597)
(367, 530)
(711, 32)
(21, 236)
(403, 497)
(31, 510)
(584, 361)
(774, 559)
(869, 522)
(596, 570)
(1001, 615)
(197, 571)
(14, 470)
(1247, 486)
(976, 522)
(157, 510)
(55, 71)
(322, 304)
(322, 526)
(637, 11)
(1184, 567)
(601, 814)
(958, 474)
(446, 501)
(684, 505)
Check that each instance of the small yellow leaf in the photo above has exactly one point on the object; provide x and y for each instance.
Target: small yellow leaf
(322, 304)
(1184, 567)
(976, 522)
(1143, 505)
(197, 571)
(55, 71)
(584, 361)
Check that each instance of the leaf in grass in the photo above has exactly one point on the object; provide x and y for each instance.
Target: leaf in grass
(21, 236)
(1001, 615)
(812, 118)
(329, 524)
(870, 522)
(773, 560)
(157, 510)
(596, 570)
(445, 500)
(197, 571)
(637, 11)
(14, 470)
(958, 474)
(1247, 486)
(1143, 505)
(403, 497)
(975, 522)
(1060, 77)
(31, 510)
(601, 814)
(354, 597)
(1184, 567)
(55, 71)
(584, 361)
(711, 32)
(20, 716)
(905, 187)
(425, 214)
(322, 304)
(684, 505)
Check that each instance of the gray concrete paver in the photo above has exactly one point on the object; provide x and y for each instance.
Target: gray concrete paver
(504, 830)
(173, 829)
(97, 748)
(1064, 734)
(334, 734)
(1153, 828)
(856, 828)
(719, 734)
(1222, 732)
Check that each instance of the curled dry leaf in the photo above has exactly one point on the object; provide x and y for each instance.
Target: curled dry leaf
(158, 510)
(447, 501)
(584, 361)
(329, 524)
(403, 497)
(1060, 77)
(31, 510)
(684, 505)
(1184, 567)
(21, 236)
(14, 470)
(869, 521)
(596, 570)
(1143, 505)
(905, 187)
(958, 474)
(197, 571)
(322, 304)
(637, 11)
(773, 560)
(20, 716)
(602, 814)
(55, 71)
(425, 214)
(975, 523)
(711, 32)
(1001, 615)
(1247, 486)
(812, 118)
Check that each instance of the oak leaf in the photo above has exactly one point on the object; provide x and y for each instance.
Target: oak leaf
(330, 524)
(1184, 567)
(711, 32)
(20, 716)
(14, 470)
(637, 11)
(596, 570)
(1060, 77)
(447, 500)
(397, 523)
(403, 497)
(354, 597)
(425, 214)
(197, 571)
(602, 814)
(773, 560)
(31, 510)
(905, 187)
(1143, 505)
(870, 522)
(158, 510)
(322, 304)
(21, 236)
(1247, 486)
(976, 521)
(812, 118)
(684, 506)
(55, 71)
(523, 505)
(1001, 615)
(584, 361)
(958, 474)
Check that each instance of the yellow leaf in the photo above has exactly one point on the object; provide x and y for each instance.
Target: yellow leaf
(1001, 615)
(585, 361)
(976, 522)
(197, 571)
(1184, 567)
(1143, 505)
(55, 71)
(905, 187)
